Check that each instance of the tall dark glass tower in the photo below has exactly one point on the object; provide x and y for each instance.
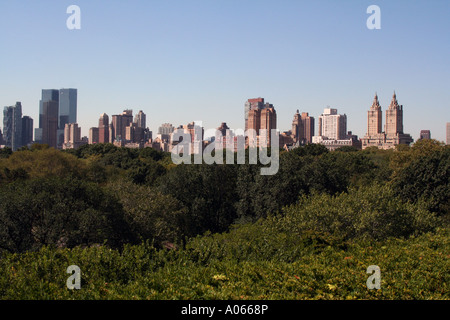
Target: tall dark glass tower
(67, 111)
(67, 107)
(66, 100)
(27, 130)
(47, 96)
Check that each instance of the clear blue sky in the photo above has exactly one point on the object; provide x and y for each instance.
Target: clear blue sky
(185, 60)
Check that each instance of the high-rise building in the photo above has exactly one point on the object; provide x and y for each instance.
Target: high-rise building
(297, 128)
(425, 134)
(72, 133)
(374, 118)
(256, 103)
(12, 126)
(66, 99)
(332, 125)
(302, 128)
(308, 126)
(260, 116)
(103, 128)
(67, 107)
(394, 118)
(393, 128)
(94, 135)
(27, 130)
(140, 119)
(67, 112)
(448, 132)
(119, 123)
(165, 131)
(50, 123)
(47, 95)
(268, 123)
(333, 131)
(72, 136)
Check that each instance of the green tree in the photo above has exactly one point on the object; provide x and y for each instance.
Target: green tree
(59, 211)
(427, 176)
(207, 191)
(150, 214)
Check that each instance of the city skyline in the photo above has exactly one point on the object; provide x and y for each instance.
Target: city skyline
(126, 125)
(186, 61)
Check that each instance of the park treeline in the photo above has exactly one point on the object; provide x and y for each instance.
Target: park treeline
(104, 195)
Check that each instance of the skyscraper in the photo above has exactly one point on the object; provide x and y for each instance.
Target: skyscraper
(103, 128)
(50, 123)
(67, 112)
(308, 126)
(140, 119)
(72, 136)
(256, 103)
(66, 100)
(262, 118)
(394, 118)
(94, 135)
(448, 132)
(46, 96)
(374, 118)
(393, 128)
(302, 128)
(119, 123)
(27, 130)
(67, 107)
(165, 130)
(332, 125)
(297, 128)
(12, 126)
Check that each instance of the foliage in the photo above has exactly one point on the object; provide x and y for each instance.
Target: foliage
(151, 215)
(141, 227)
(58, 211)
(427, 176)
(207, 191)
(235, 266)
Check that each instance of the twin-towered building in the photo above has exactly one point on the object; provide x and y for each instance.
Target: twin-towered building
(393, 129)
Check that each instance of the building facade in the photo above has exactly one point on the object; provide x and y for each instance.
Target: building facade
(140, 119)
(94, 135)
(425, 134)
(393, 129)
(72, 136)
(448, 133)
(50, 123)
(302, 128)
(252, 104)
(103, 128)
(66, 101)
(27, 130)
(12, 126)
(332, 125)
(262, 118)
